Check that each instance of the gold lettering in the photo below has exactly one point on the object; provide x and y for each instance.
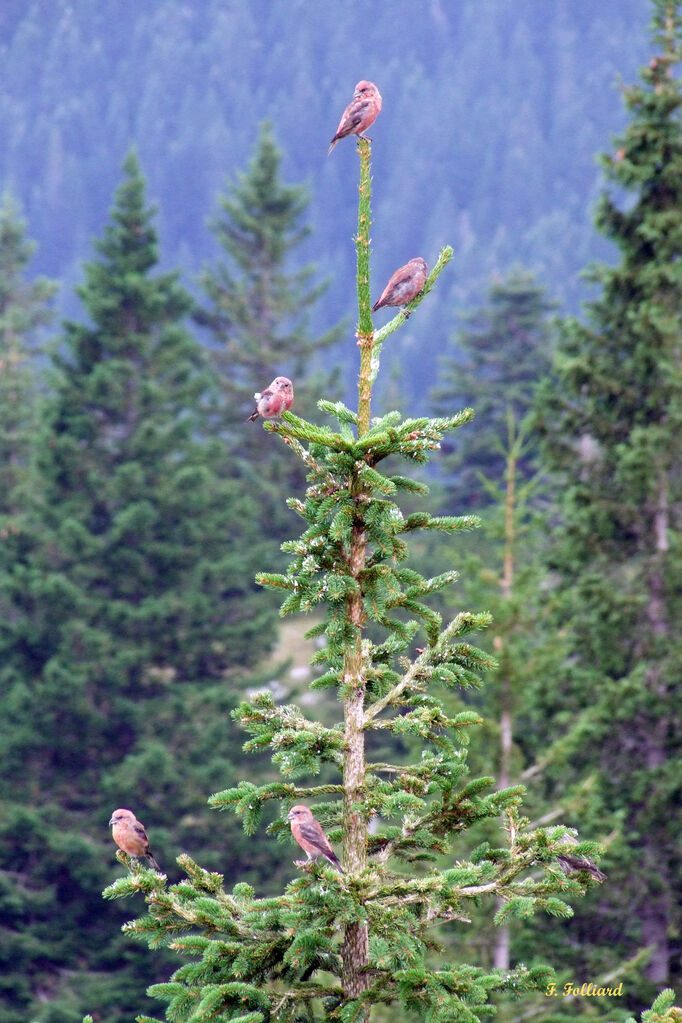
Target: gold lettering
(586, 990)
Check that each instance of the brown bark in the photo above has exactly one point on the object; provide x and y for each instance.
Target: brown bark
(355, 949)
(656, 908)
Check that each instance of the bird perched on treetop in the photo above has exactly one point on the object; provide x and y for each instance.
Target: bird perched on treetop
(360, 112)
(310, 836)
(129, 835)
(275, 399)
(404, 285)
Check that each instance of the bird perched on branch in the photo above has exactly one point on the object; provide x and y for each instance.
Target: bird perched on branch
(310, 836)
(129, 834)
(404, 285)
(275, 399)
(572, 864)
(360, 112)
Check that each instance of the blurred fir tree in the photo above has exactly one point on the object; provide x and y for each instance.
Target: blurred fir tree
(508, 574)
(335, 946)
(504, 570)
(258, 312)
(128, 627)
(612, 423)
(24, 308)
(502, 350)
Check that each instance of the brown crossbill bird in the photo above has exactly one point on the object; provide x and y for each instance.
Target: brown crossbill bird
(404, 285)
(129, 834)
(275, 399)
(310, 836)
(362, 111)
(572, 864)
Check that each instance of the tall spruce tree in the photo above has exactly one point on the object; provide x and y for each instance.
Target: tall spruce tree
(333, 946)
(257, 309)
(24, 308)
(612, 424)
(502, 349)
(132, 622)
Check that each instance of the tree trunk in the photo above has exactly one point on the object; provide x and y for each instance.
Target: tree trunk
(656, 908)
(356, 940)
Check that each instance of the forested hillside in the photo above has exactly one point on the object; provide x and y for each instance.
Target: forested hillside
(493, 113)
(491, 737)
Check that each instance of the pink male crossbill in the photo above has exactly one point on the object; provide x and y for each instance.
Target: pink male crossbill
(129, 834)
(362, 111)
(404, 285)
(275, 399)
(310, 836)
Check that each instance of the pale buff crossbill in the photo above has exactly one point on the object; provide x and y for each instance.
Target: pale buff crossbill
(404, 285)
(572, 864)
(362, 111)
(310, 836)
(275, 399)
(129, 835)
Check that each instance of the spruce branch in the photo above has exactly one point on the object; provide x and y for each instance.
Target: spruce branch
(292, 427)
(442, 650)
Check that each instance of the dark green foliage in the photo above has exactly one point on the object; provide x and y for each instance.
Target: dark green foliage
(612, 424)
(503, 349)
(124, 613)
(24, 308)
(333, 946)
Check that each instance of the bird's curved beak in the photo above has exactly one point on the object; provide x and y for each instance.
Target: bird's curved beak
(110, 822)
(289, 817)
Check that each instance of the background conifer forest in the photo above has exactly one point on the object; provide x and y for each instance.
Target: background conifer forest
(437, 602)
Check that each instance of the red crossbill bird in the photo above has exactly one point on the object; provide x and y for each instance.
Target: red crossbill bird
(310, 836)
(129, 834)
(275, 399)
(404, 285)
(362, 111)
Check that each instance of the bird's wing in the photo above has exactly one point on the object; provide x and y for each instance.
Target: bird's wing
(139, 830)
(354, 114)
(313, 833)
